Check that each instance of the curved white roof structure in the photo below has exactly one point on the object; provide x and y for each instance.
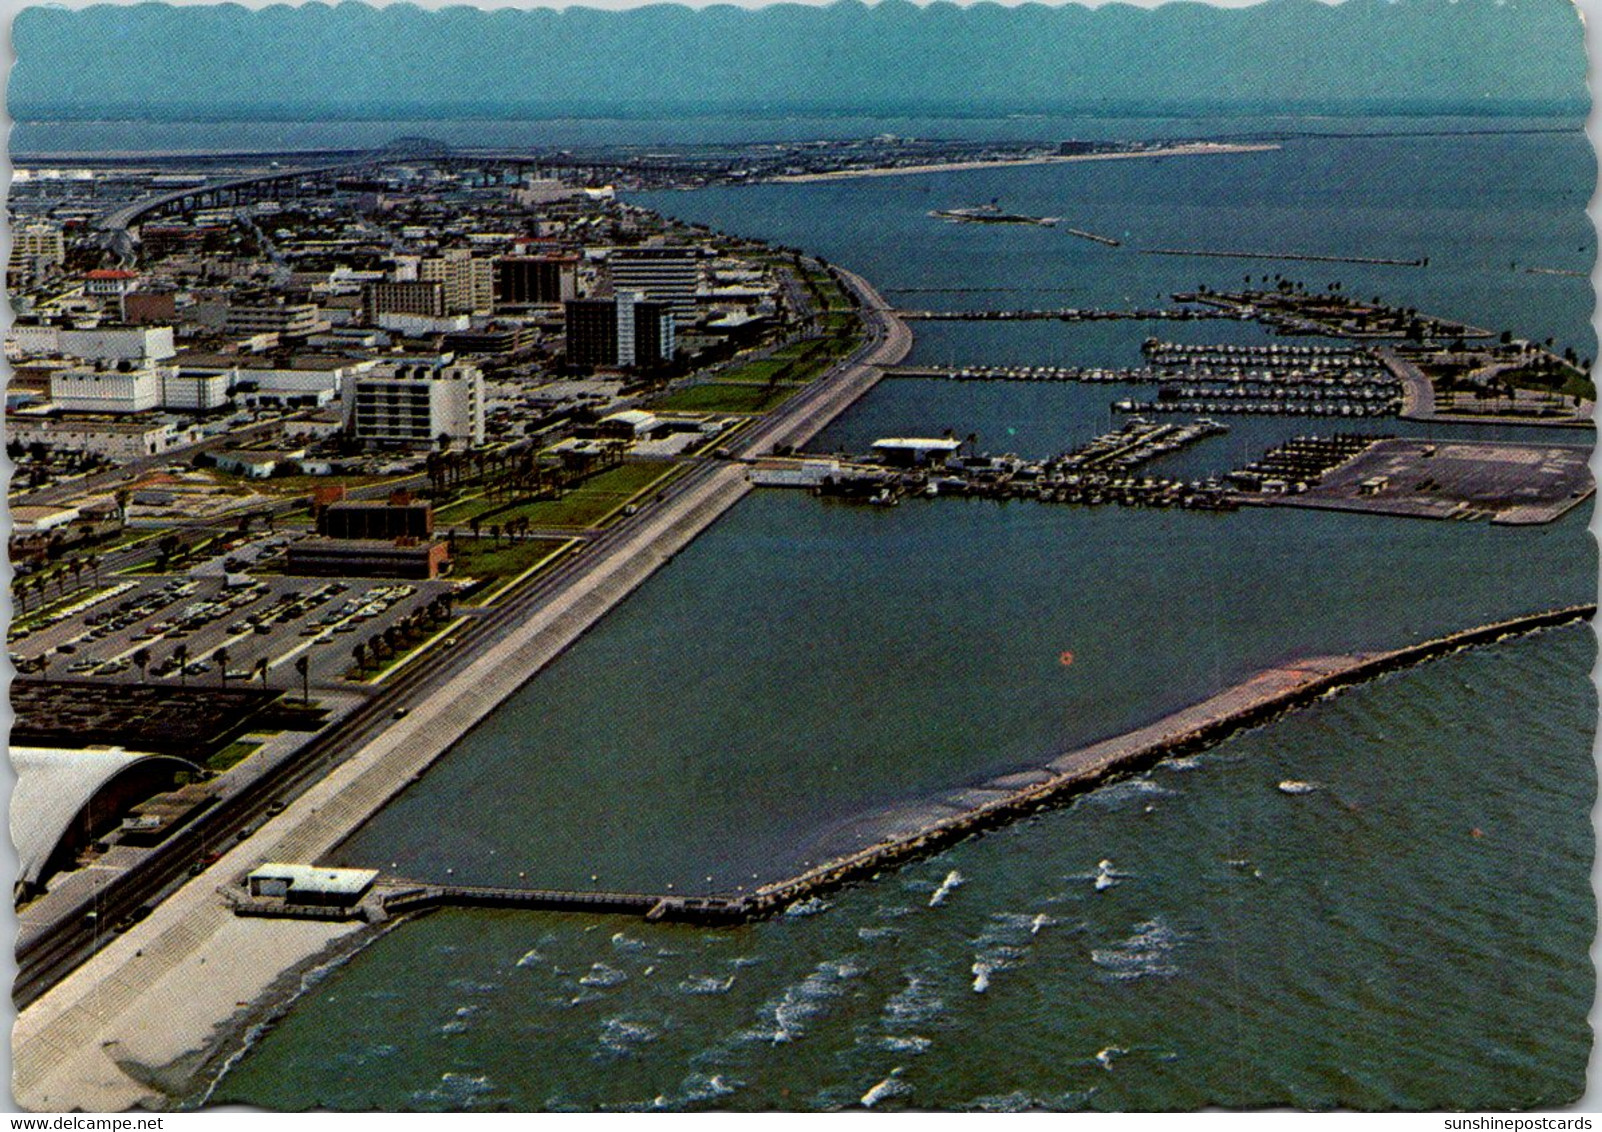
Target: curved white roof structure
(55, 786)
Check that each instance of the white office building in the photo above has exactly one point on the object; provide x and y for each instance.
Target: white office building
(124, 388)
(416, 403)
(664, 275)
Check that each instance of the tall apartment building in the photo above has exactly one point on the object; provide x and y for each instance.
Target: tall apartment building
(664, 275)
(468, 283)
(524, 280)
(627, 330)
(645, 335)
(33, 244)
(415, 403)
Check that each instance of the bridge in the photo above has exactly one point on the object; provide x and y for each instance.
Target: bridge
(273, 183)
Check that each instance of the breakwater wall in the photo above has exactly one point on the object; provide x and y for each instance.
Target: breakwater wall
(1017, 795)
(1204, 253)
(915, 832)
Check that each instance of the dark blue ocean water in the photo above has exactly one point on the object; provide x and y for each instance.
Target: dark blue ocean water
(1411, 934)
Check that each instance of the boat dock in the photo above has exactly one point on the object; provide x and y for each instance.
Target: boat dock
(1075, 314)
(1086, 374)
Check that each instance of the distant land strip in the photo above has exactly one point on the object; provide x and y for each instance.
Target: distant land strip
(1188, 149)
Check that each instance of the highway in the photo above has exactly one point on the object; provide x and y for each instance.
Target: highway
(51, 952)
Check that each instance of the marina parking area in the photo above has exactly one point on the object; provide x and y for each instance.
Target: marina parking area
(1506, 483)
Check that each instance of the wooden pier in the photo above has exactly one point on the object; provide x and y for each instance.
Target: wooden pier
(912, 831)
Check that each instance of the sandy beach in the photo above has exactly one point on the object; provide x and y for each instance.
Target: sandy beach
(1190, 149)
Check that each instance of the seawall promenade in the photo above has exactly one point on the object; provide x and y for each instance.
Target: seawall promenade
(120, 1030)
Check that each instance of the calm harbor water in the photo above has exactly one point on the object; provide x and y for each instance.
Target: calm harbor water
(1412, 934)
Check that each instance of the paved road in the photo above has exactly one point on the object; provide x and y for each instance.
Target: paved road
(499, 651)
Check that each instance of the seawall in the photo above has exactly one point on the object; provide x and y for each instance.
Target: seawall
(166, 990)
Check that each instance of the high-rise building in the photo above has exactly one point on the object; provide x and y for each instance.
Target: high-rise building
(591, 327)
(627, 330)
(644, 331)
(525, 280)
(409, 297)
(664, 275)
(35, 242)
(468, 283)
(415, 404)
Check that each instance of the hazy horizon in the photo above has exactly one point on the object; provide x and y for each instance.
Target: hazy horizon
(1361, 56)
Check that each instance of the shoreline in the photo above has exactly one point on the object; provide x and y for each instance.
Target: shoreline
(161, 1038)
(139, 999)
(1189, 149)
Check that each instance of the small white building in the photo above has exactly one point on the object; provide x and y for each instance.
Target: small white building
(629, 424)
(32, 520)
(111, 344)
(915, 451)
(115, 440)
(420, 325)
(195, 390)
(310, 884)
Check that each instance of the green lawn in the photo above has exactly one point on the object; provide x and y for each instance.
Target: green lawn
(584, 505)
(483, 558)
(720, 397)
(236, 752)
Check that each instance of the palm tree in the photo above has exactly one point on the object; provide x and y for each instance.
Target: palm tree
(221, 657)
(141, 657)
(262, 666)
(94, 567)
(303, 666)
(358, 653)
(181, 655)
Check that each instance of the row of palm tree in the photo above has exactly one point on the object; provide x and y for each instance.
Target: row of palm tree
(389, 643)
(38, 583)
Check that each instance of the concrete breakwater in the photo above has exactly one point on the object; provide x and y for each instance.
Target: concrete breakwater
(914, 831)
(908, 833)
(1297, 257)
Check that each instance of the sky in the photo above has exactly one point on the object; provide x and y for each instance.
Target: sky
(11, 6)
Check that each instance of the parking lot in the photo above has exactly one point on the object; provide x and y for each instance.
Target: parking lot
(163, 628)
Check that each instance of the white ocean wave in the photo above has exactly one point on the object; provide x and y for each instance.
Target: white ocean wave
(1148, 953)
(787, 1017)
(600, 975)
